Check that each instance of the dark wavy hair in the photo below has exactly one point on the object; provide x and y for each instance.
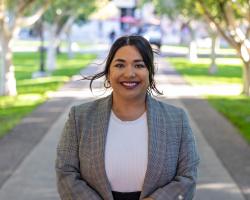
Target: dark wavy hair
(146, 51)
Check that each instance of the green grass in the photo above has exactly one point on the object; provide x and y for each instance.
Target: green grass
(229, 71)
(185, 49)
(235, 108)
(33, 92)
(36, 44)
(13, 109)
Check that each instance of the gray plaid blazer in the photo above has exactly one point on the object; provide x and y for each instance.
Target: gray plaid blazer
(172, 157)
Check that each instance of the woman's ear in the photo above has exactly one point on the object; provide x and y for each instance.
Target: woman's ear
(108, 78)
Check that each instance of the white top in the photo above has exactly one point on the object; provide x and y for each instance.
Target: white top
(126, 153)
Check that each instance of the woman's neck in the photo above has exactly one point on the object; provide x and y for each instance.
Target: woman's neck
(128, 110)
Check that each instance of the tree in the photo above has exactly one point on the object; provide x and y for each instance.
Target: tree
(181, 9)
(175, 9)
(60, 17)
(15, 14)
(213, 33)
(232, 20)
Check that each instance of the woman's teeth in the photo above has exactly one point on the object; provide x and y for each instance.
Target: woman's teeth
(129, 84)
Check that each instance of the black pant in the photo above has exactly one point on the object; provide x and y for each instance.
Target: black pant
(126, 195)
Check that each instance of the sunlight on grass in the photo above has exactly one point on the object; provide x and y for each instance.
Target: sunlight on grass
(13, 109)
(229, 71)
(219, 61)
(42, 80)
(33, 92)
(185, 50)
(235, 108)
(37, 44)
(20, 100)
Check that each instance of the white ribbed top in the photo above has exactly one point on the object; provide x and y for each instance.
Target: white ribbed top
(126, 153)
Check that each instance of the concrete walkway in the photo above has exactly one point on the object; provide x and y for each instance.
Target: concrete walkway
(215, 182)
(34, 178)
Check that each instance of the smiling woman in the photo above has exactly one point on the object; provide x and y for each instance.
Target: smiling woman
(129, 79)
(127, 145)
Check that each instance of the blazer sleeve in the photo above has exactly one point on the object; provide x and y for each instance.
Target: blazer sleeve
(182, 187)
(70, 184)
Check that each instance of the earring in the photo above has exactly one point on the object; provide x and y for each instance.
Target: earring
(107, 83)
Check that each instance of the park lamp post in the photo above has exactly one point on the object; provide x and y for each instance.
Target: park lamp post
(42, 50)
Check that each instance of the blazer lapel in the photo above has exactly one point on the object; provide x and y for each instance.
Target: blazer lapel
(157, 140)
(157, 130)
(99, 129)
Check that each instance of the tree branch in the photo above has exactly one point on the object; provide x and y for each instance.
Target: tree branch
(28, 21)
(230, 40)
(3, 25)
(229, 16)
(222, 11)
(66, 25)
(248, 20)
(24, 5)
(2, 18)
(235, 31)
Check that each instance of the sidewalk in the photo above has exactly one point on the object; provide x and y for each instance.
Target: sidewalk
(221, 136)
(34, 178)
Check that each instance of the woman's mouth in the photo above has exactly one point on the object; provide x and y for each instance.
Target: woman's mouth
(129, 84)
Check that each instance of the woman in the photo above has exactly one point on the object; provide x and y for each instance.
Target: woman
(127, 146)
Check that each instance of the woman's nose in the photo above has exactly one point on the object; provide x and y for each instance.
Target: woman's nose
(129, 72)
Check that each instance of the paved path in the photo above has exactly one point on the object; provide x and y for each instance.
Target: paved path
(225, 140)
(215, 182)
(34, 178)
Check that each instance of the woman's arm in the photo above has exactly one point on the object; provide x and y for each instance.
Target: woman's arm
(182, 187)
(69, 182)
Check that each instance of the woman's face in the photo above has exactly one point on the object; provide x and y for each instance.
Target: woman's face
(128, 74)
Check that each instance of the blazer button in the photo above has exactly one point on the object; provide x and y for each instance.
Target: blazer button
(180, 197)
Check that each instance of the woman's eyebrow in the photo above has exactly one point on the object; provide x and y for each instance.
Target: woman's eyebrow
(119, 60)
(123, 60)
(138, 60)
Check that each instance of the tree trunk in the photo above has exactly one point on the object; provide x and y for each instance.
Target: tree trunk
(192, 54)
(69, 42)
(244, 52)
(246, 78)
(213, 67)
(193, 51)
(8, 81)
(51, 49)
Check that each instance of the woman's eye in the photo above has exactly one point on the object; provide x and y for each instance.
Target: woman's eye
(139, 65)
(119, 65)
